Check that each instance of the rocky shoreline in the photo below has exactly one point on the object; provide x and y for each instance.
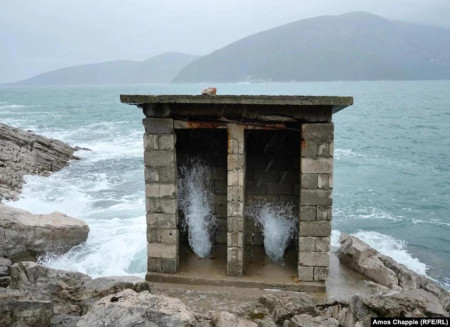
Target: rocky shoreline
(25, 153)
(40, 296)
(33, 295)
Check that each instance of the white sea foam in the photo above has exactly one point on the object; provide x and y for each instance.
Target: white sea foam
(115, 247)
(195, 189)
(366, 213)
(279, 225)
(12, 106)
(387, 245)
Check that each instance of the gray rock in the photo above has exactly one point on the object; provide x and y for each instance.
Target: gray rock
(359, 256)
(71, 292)
(226, 319)
(63, 288)
(16, 310)
(128, 308)
(305, 320)
(4, 281)
(285, 307)
(24, 235)
(23, 153)
(411, 303)
(4, 266)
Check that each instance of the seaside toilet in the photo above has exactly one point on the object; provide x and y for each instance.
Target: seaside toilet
(277, 149)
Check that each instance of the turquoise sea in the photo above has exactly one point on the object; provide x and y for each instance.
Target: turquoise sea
(392, 168)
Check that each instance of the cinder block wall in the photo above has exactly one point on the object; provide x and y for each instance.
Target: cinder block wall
(273, 173)
(210, 146)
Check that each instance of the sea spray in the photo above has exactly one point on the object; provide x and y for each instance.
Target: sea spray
(279, 226)
(195, 195)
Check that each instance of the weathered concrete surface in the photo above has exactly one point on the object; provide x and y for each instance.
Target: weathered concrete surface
(25, 153)
(24, 235)
(253, 108)
(266, 100)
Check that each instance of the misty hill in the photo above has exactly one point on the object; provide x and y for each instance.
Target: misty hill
(353, 46)
(159, 69)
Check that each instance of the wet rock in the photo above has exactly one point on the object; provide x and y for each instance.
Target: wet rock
(17, 310)
(411, 303)
(71, 292)
(226, 319)
(359, 256)
(305, 320)
(128, 308)
(25, 153)
(24, 235)
(285, 307)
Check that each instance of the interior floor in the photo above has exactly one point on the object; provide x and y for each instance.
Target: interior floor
(258, 266)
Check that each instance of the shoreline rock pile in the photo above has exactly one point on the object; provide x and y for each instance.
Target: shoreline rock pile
(63, 298)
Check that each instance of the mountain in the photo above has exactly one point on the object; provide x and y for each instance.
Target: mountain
(353, 46)
(159, 69)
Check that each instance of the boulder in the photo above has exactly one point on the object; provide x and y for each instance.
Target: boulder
(226, 319)
(305, 320)
(24, 235)
(71, 292)
(22, 153)
(129, 308)
(285, 307)
(359, 256)
(17, 310)
(410, 303)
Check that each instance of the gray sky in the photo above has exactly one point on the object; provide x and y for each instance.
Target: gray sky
(41, 35)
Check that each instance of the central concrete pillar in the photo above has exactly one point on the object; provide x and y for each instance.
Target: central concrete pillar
(235, 200)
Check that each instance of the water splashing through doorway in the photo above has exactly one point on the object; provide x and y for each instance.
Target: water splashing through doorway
(279, 226)
(195, 197)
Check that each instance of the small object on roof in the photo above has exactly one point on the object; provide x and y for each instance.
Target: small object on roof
(209, 91)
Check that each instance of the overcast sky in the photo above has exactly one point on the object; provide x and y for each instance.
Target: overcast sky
(41, 35)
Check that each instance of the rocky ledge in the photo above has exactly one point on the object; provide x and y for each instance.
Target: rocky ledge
(25, 236)
(25, 153)
(39, 296)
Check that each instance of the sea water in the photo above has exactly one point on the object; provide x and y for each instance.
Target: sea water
(278, 223)
(195, 198)
(391, 173)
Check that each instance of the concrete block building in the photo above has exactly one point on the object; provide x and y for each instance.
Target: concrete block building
(262, 148)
